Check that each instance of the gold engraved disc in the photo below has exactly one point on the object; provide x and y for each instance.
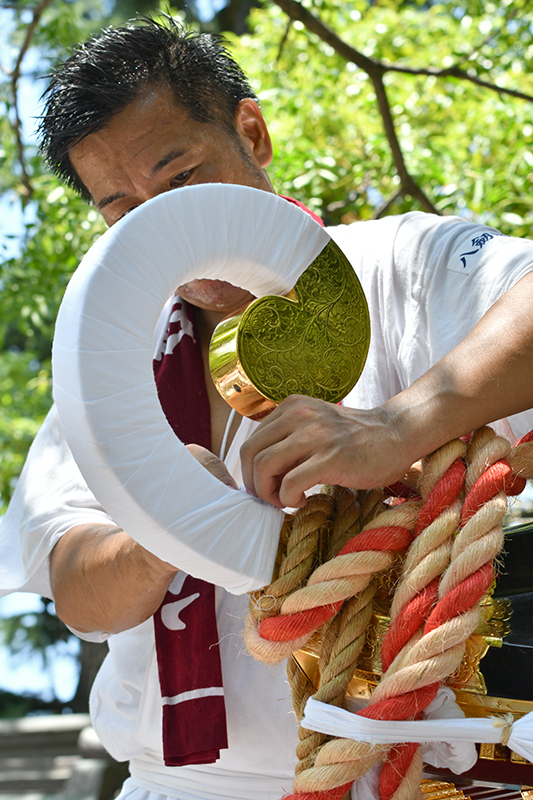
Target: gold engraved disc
(314, 341)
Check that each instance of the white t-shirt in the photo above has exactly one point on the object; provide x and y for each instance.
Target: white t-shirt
(428, 281)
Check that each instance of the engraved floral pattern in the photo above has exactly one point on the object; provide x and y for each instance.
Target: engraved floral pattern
(315, 345)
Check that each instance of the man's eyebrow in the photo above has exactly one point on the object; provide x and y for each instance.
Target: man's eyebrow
(167, 159)
(105, 201)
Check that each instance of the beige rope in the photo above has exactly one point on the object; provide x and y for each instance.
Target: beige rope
(297, 555)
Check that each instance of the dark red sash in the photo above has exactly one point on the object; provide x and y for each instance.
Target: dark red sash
(186, 636)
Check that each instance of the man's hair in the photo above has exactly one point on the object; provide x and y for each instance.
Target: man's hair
(109, 71)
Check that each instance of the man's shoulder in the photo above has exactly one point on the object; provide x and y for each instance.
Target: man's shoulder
(413, 233)
(372, 241)
(393, 222)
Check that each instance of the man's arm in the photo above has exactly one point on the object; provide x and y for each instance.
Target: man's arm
(102, 580)
(305, 442)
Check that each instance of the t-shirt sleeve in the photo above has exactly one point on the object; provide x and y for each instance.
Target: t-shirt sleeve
(51, 497)
(428, 281)
(452, 272)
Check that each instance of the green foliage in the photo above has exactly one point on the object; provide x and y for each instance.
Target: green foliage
(37, 632)
(34, 632)
(63, 229)
(468, 147)
(58, 228)
(14, 706)
(24, 400)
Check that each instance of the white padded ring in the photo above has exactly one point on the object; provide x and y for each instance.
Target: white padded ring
(103, 380)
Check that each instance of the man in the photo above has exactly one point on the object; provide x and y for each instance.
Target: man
(143, 110)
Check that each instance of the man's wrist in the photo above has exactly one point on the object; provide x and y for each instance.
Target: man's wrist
(419, 424)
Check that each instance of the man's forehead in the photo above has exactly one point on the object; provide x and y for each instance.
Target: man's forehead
(151, 108)
(152, 128)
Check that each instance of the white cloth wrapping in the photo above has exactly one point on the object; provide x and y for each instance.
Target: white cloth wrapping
(103, 381)
(343, 724)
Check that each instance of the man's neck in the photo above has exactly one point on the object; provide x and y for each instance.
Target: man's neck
(206, 322)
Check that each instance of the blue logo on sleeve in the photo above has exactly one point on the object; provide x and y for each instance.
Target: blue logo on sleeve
(477, 243)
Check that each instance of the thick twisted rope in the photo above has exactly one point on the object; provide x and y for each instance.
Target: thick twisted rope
(343, 637)
(290, 619)
(430, 620)
(346, 522)
(345, 576)
(489, 479)
(442, 482)
(453, 619)
(429, 555)
(299, 545)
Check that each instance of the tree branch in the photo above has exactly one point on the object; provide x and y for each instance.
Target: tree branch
(408, 184)
(384, 207)
(284, 39)
(373, 66)
(455, 72)
(297, 12)
(375, 70)
(14, 76)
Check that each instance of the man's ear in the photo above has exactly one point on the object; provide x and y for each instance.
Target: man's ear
(252, 128)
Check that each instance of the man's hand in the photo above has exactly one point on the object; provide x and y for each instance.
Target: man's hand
(212, 464)
(307, 441)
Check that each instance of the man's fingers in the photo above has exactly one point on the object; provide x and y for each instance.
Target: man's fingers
(297, 481)
(268, 468)
(306, 442)
(259, 467)
(268, 453)
(212, 464)
(262, 470)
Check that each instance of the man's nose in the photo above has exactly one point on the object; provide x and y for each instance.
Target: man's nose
(151, 189)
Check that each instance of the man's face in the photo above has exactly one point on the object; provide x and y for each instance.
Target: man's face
(154, 146)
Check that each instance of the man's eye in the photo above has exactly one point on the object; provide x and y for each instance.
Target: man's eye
(128, 211)
(183, 177)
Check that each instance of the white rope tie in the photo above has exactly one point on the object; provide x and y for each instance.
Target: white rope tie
(515, 734)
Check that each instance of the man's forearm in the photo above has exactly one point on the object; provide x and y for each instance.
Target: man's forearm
(102, 580)
(488, 376)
